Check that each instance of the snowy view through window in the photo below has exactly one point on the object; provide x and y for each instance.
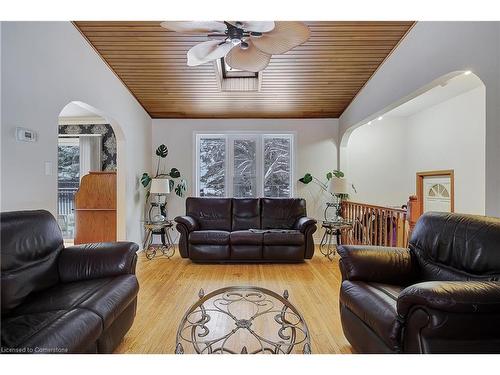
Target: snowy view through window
(245, 168)
(259, 165)
(277, 167)
(212, 167)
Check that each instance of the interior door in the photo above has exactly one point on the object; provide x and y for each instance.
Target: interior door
(437, 193)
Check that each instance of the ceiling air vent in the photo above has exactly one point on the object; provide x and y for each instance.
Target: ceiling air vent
(230, 79)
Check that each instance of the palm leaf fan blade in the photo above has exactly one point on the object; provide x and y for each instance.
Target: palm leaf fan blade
(250, 59)
(285, 36)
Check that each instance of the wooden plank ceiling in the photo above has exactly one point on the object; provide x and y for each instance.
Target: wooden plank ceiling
(316, 79)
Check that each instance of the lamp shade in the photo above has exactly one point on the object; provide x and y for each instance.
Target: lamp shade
(338, 186)
(160, 186)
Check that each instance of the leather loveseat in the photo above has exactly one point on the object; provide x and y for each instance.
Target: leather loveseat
(440, 295)
(246, 230)
(79, 299)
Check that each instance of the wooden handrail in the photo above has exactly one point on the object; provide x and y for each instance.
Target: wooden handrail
(374, 206)
(376, 225)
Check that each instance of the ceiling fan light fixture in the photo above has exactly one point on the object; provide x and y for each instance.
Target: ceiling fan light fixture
(258, 41)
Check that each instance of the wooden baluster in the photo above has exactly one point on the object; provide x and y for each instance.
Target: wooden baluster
(391, 228)
(358, 229)
(380, 227)
(385, 227)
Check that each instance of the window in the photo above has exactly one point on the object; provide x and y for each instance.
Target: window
(211, 167)
(244, 165)
(228, 72)
(277, 156)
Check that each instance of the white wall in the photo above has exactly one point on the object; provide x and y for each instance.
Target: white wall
(316, 151)
(449, 135)
(377, 159)
(429, 51)
(46, 65)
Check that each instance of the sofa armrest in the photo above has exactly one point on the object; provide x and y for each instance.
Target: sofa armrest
(188, 222)
(452, 296)
(391, 265)
(303, 223)
(96, 260)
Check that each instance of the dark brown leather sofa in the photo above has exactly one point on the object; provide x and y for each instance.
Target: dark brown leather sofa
(79, 299)
(441, 295)
(223, 230)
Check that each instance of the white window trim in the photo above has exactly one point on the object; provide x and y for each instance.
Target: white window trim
(231, 135)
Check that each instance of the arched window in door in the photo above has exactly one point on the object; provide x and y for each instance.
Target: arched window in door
(438, 191)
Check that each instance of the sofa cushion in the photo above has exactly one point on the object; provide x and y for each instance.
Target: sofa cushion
(246, 237)
(209, 253)
(246, 252)
(30, 243)
(285, 253)
(209, 237)
(56, 331)
(107, 297)
(281, 213)
(285, 237)
(112, 299)
(246, 213)
(64, 296)
(375, 305)
(210, 213)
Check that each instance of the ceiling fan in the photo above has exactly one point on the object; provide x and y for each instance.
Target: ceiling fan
(245, 45)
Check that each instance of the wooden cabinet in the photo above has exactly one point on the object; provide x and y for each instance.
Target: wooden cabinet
(95, 208)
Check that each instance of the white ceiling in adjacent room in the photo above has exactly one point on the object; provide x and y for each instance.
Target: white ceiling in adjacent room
(74, 110)
(453, 87)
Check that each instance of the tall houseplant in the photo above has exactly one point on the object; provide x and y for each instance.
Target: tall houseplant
(178, 184)
(337, 197)
(308, 178)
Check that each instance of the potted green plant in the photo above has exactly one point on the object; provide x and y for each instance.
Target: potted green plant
(337, 197)
(175, 182)
(178, 184)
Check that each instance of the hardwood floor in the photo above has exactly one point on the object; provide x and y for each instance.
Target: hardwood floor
(169, 287)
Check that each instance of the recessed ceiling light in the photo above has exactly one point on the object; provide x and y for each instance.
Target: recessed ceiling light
(369, 122)
(467, 72)
(380, 118)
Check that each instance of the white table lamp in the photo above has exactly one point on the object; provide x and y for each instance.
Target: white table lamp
(159, 187)
(338, 186)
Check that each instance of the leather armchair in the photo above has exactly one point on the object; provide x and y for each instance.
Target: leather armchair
(440, 295)
(80, 299)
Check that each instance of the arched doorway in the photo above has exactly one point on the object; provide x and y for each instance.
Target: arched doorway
(88, 141)
(435, 135)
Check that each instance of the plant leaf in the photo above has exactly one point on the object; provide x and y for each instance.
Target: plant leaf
(145, 179)
(306, 179)
(171, 183)
(174, 173)
(338, 173)
(181, 188)
(329, 176)
(162, 151)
